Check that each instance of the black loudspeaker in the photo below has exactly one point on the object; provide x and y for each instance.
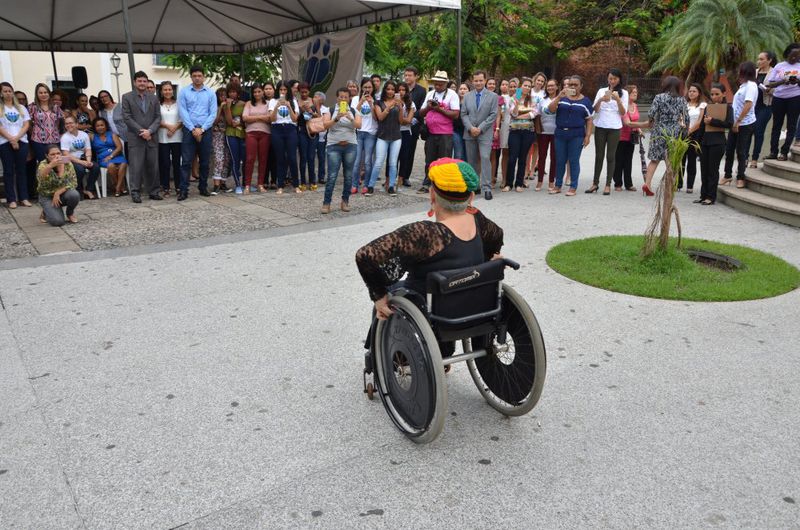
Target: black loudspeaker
(79, 78)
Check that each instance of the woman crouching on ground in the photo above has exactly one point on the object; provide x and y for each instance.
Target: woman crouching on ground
(56, 184)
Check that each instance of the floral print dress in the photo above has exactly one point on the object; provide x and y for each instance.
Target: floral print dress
(670, 117)
(220, 157)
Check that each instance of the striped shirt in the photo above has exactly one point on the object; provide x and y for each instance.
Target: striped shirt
(571, 116)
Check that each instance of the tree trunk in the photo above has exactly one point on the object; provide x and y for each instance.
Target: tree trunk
(666, 208)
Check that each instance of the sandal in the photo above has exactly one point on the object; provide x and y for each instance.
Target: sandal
(740, 183)
(753, 164)
(505, 189)
(117, 194)
(262, 189)
(72, 219)
(725, 181)
(570, 193)
(707, 202)
(12, 205)
(26, 203)
(42, 219)
(782, 158)
(553, 191)
(280, 191)
(538, 187)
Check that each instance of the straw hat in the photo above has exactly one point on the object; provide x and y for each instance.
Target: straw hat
(440, 75)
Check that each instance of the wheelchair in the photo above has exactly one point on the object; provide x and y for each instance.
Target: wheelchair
(409, 353)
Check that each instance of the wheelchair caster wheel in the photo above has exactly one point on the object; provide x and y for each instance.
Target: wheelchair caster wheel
(370, 391)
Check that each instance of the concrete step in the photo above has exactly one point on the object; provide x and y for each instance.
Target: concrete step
(794, 153)
(777, 187)
(755, 203)
(787, 169)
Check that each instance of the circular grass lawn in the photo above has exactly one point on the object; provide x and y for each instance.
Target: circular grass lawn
(615, 263)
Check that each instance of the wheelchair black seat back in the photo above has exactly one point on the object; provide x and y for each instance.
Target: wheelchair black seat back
(500, 337)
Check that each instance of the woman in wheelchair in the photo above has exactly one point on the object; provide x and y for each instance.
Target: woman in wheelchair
(460, 237)
(453, 292)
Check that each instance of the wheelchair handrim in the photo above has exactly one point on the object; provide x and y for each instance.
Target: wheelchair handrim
(515, 388)
(383, 372)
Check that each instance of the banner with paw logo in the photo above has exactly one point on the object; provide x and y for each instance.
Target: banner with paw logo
(327, 61)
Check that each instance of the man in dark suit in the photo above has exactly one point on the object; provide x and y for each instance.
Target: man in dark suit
(142, 114)
(479, 113)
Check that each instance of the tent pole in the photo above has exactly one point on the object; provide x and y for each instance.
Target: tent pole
(127, 23)
(458, 46)
(53, 57)
(241, 63)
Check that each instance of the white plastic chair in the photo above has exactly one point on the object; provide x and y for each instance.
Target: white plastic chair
(102, 183)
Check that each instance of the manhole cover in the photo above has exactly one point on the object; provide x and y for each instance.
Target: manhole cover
(717, 261)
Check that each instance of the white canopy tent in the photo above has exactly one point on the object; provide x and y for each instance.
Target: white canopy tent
(189, 26)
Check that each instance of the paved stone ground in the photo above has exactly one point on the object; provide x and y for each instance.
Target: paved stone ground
(115, 222)
(219, 386)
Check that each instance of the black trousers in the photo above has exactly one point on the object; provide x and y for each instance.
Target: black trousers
(784, 108)
(169, 156)
(738, 145)
(436, 146)
(690, 160)
(710, 157)
(623, 165)
(408, 145)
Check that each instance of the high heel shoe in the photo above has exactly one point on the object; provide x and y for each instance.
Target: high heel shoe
(646, 191)
(593, 189)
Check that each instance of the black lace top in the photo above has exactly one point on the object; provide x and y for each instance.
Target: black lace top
(385, 260)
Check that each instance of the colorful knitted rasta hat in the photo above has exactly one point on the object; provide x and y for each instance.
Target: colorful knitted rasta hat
(453, 179)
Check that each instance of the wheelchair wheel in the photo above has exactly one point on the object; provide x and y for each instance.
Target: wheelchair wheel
(511, 376)
(409, 372)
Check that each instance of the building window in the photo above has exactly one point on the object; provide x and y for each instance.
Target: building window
(159, 59)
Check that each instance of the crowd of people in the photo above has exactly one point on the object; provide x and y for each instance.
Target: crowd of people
(156, 141)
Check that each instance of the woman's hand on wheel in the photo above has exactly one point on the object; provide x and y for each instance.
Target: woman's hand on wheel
(497, 256)
(382, 309)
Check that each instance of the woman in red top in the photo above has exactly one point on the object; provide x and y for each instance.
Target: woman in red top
(45, 122)
(628, 140)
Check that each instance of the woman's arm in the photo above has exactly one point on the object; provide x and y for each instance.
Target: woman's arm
(117, 146)
(385, 260)
(228, 115)
(381, 113)
(491, 236)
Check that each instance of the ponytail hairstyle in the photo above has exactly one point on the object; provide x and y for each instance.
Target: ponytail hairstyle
(721, 88)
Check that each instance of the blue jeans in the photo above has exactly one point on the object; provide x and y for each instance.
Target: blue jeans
(189, 148)
(344, 156)
(238, 153)
(308, 149)
(459, 147)
(321, 156)
(568, 150)
(364, 152)
(519, 144)
(284, 139)
(14, 171)
(381, 149)
(762, 119)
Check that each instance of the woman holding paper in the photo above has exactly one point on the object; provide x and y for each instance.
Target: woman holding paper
(713, 142)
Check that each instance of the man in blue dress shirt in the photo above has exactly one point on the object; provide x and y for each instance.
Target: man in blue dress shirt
(197, 106)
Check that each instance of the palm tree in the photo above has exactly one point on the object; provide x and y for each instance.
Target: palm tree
(715, 34)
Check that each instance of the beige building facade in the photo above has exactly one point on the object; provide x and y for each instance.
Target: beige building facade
(25, 69)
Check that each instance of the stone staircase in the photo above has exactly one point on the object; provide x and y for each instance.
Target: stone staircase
(772, 192)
